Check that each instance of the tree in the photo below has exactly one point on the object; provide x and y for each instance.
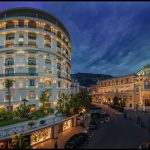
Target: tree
(116, 101)
(8, 84)
(6, 114)
(20, 142)
(22, 112)
(44, 98)
(83, 100)
(24, 101)
(64, 100)
(73, 104)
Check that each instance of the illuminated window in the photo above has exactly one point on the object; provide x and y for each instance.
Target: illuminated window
(147, 102)
(48, 82)
(31, 94)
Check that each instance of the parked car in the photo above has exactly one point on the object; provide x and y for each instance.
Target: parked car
(76, 141)
(83, 137)
(73, 142)
(145, 145)
(93, 125)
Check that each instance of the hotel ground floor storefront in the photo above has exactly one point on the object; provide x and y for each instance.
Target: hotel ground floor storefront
(42, 134)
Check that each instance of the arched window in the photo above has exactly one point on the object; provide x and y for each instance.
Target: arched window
(9, 61)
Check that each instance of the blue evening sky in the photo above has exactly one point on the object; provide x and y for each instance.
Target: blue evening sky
(107, 37)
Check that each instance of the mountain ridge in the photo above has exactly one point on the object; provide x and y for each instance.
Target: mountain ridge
(89, 79)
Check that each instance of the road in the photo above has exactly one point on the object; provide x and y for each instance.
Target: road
(119, 133)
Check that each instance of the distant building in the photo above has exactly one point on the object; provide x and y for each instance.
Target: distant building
(133, 90)
(75, 87)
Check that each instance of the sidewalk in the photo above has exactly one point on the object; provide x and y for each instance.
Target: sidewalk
(62, 137)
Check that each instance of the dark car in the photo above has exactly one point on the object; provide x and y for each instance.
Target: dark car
(83, 137)
(76, 141)
(93, 125)
(73, 142)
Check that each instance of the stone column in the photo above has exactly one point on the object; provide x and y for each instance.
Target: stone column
(40, 40)
(25, 38)
(74, 122)
(16, 38)
(55, 131)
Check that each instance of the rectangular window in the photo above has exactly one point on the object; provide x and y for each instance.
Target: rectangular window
(147, 102)
(9, 61)
(9, 71)
(47, 61)
(32, 36)
(59, 84)
(32, 82)
(59, 66)
(32, 71)
(31, 61)
(58, 44)
(31, 94)
(10, 36)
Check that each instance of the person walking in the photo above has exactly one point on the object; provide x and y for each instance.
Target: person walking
(56, 145)
(138, 120)
(125, 115)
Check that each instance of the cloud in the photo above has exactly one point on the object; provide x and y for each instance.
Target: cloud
(107, 37)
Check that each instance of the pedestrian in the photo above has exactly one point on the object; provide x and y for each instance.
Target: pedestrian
(125, 115)
(138, 119)
(56, 145)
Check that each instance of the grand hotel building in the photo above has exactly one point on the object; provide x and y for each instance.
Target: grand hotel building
(133, 89)
(35, 52)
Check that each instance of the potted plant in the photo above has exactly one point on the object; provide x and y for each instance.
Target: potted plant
(31, 124)
(42, 122)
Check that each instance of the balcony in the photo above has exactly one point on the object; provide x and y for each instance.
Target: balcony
(18, 45)
(18, 74)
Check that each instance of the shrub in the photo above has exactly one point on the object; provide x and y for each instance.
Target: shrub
(31, 123)
(42, 121)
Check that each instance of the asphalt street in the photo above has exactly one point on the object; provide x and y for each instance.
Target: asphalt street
(119, 133)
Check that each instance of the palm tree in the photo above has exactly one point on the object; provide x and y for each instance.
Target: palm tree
(44, 98)
(8, 84)
(20, 142)
(64, 99)
(24, 101)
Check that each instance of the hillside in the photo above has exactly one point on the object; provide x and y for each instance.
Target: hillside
(89, 79)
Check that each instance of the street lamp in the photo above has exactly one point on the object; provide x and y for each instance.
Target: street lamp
(83, 110)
